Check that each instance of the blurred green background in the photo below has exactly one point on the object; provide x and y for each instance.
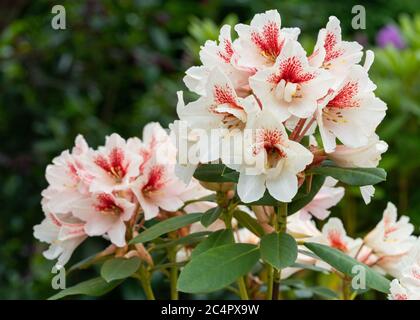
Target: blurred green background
(118, 66)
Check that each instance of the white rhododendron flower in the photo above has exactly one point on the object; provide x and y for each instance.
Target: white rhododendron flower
(399, 292)
(220, 109)
(327, 197)
(391, 236)
(219, 55)
(407, 284)
(290, 86)
(260, 43)
(367, 156)
(350, 113)
(63, 232)
(274, 161)
(334, 54)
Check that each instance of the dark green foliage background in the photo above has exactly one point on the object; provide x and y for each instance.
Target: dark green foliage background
(118, 66)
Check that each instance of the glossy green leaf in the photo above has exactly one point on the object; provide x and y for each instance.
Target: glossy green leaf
(278, 249)
(211, 216)
(345, 264)
(248, 222)
(216, 239)
(218, 267)
(94, 287)
(215, 173)
(187, 240)
(119, 268)
(166, 226)
(352, 176)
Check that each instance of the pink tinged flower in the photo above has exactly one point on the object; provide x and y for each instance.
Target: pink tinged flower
(157, 187)
(114, 166)
(155, 142)
(391, 236)
(301, 228)
(407, 287)
(333, 54)
(397, 291)
(351, 113)
(260, 43)
(272, 160)
(291, 86)
(335, 236)
(327, 197)
(68, 178)
(105, 215)
(219, 55)
(63, 232)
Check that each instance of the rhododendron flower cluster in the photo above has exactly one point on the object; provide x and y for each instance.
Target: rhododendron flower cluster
(264, 87)
(240, 194)
(105, 192)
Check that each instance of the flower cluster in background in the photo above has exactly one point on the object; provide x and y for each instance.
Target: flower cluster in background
(110, 191)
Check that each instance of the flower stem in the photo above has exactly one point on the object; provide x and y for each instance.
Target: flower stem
(280, 226)
(173, 275)
(298, 128)
(144, 277)
(242, 289)
(270, 281)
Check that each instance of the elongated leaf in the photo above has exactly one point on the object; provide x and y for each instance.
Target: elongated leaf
(345, 264)
(218, 267)
(187, 240)
(211, 216)
(278, 249)
(166, 226)
(249, 222)
(324, 292)
(119, 268)
(303, 197)
(352, 176)
(94, 287)
(217, 239)
(215, 173)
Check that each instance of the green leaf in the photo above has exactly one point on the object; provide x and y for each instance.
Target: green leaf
(216, 239)
(119, 268)
(210, 216)
(278, 249)
(303, 197)
(324, 292)
(218, 267)
(94, 287)
(344, 263)
(215, 173)
(248, 222)
(166, 226)
(352, 176)
(187, 240)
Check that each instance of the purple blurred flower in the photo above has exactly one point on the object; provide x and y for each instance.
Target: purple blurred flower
(390, 35)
